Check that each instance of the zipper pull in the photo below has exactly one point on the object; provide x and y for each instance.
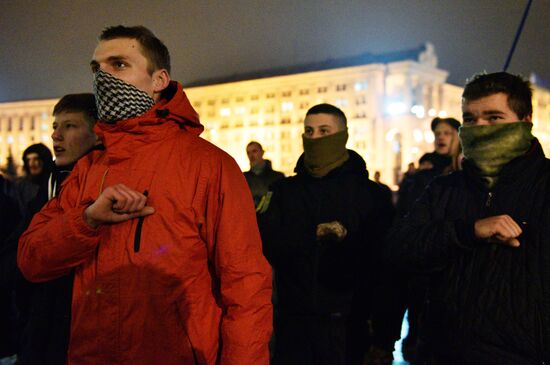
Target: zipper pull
(489, 199)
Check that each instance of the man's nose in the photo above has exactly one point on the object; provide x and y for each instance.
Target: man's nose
(56, 136)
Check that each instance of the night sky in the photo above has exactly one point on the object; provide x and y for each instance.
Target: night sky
(47, 45)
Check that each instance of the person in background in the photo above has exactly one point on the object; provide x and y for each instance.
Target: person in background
(9, 220)
(38, 165)
(321, 229)
(158, 227)
(411, 295)
(261, 175)
(482, 235)
(45, 308)
(384, 187)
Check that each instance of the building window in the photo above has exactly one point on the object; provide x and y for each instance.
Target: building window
(287, 106)
(225, 101)
(341, 102)
(33, 123)
(361, 85)
(304, 92)
(211, 102)
(341, 87)
(361, 100)
(285, 120)
(240, 99)
(254, 97)
(286, 94)
(225, 112)
(322, 89)
(197, 104)
(360, 114)
(270, 95)
(304, 105)
(9, 124)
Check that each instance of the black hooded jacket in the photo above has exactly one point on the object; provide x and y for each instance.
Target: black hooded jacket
(319, 277)
(487, 303)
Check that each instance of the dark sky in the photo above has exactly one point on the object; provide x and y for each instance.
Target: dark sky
(46, 45)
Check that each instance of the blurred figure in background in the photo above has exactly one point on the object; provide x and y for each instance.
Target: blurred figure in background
(261, 175)
(38, 165)
(443, 160)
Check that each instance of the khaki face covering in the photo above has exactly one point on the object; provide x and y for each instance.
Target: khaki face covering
(491, 147)
(321, 155)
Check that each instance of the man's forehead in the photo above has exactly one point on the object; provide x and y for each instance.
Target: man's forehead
(116, 47)
(72, 116)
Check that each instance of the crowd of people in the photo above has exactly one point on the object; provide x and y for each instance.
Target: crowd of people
(142, 243)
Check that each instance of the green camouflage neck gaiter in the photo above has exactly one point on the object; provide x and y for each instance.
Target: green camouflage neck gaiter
(491, 147)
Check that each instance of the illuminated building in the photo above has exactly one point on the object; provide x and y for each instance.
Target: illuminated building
(389, 99)
(24, 123)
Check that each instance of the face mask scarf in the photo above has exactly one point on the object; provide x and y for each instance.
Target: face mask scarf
(117, 100)
(491, 147)
(322, 155)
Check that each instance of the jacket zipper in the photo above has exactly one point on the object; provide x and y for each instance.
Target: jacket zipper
(137, 237)
(489, 200)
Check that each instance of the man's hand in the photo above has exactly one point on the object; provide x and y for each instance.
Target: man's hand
(117, 204)
(500, 228)
(334, 228)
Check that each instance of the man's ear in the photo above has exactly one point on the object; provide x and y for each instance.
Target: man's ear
(529, 118)
(161, 79)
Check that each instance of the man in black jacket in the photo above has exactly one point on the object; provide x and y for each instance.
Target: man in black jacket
(261, 175)
(320, 229)
(483, 234)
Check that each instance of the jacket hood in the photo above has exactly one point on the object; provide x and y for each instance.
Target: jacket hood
(354, 165)
(174, 106)
(45, 156)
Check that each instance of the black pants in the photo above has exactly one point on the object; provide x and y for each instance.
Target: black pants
(311, 340)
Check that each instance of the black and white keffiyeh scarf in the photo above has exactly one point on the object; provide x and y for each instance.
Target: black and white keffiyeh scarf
(117, 100)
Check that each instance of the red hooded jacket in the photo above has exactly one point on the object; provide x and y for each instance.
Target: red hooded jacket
(191, 286)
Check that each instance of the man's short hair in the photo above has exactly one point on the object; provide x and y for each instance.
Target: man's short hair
(78, 103)
(153, 49)
(517, 89)
(328, 109)
(255, 143)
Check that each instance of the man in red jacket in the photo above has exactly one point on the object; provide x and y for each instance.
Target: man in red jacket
(158, 226)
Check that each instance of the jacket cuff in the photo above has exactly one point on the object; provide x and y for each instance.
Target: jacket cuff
(77, 224)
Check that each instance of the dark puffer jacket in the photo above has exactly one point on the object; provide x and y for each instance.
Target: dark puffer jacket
(319, 277)
(488, 303)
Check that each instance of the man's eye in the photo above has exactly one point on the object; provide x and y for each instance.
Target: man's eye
(120, 65)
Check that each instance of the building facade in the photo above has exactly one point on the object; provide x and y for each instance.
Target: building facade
(389, 100)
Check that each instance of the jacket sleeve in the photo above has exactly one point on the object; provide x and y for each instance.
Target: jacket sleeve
(424, 242)
(57, 239)
(243, 273)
